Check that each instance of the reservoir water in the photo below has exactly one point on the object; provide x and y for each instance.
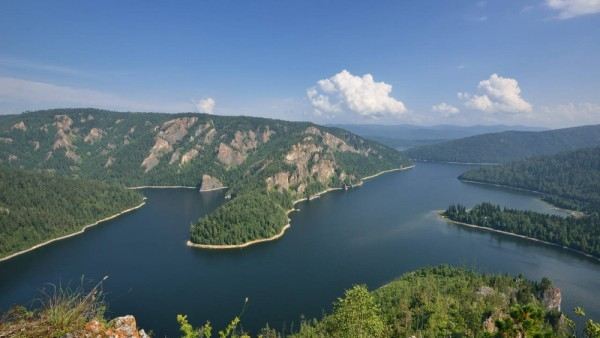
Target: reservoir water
(368, 235)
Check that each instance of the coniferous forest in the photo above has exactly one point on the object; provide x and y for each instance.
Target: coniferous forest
(36, 206)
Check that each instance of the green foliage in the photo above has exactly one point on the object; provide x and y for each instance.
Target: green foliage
(37, 206)
(570, 180)
(355, 315)
(247, 217)
(188, 330)
(592, 328)
(508, 146)
(581, 234)
(440, 302)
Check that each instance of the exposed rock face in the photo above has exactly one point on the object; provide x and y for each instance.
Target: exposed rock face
(266, 135)
(210, 183)
(237, 151)
(19, 126)
(332, 141)
(109, 162)
(229, 156)
(552, 298)
(171, 132)
(12, 158)
(94, 135)
(63, 137)
(6, 140)
(120, 327)
(189, 155)
(35, 144)
(280, 181)
(323, 170)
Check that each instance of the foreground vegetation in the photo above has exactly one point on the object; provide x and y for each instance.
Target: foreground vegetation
(432, 302)
(577, 233)
(36, 207)
(508, 146)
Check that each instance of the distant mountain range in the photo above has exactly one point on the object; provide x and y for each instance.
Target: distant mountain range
(508, 146)
(403, 136)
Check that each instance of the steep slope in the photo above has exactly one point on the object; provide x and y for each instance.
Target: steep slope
(37, 207)
(275, 159)
(508, 146)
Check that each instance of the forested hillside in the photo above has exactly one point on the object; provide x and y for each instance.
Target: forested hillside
(508, 146)
(570, 179)
(36, 207)
(248, 155)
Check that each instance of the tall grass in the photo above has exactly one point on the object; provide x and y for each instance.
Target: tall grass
(60, 311)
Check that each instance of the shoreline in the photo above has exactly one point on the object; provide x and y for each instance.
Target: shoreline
(459, 163)
(287, 226)
(570, 212)
(213, 189)
(83, 229)
(161, 187)
(439, 213)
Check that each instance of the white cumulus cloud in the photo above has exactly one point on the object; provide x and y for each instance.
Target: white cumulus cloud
(206, 105)
(362, 95)
(497, 95)
(571, 8)
(445, 109)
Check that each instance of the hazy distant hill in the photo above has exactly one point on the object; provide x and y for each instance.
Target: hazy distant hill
(508, 146)
(265, 163)
(403, 136)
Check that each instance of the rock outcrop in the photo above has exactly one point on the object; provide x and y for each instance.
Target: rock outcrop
(552, 298)
(210, 183)
(94, 135)
(19, 126)
(170, 133)
(120, 327)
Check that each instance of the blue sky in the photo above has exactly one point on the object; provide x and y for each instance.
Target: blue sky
(461, 62)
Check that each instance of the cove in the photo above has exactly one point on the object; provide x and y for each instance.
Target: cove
(370, 235)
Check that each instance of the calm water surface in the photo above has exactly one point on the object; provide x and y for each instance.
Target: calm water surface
(368, 235)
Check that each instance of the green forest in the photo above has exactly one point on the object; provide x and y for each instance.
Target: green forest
(570, 179)
(578, 233)
(36, 207)
(252, 215)
(508, 146)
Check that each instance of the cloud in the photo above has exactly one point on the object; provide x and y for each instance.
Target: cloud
(498, 95)
(206, 105)
(19, 94)
(568, 9)
(361, 95)
(445, 109)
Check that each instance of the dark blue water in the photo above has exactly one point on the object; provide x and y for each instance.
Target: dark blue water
(370, 235)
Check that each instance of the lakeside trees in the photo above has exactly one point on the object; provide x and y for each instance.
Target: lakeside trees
(36, 207)
(581, 233)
